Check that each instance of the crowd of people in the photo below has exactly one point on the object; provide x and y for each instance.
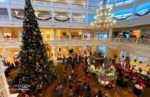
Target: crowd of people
(76, 86)
(127, 77)
(146, 36)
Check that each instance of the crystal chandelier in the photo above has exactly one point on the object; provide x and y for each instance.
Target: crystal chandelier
(103, 20)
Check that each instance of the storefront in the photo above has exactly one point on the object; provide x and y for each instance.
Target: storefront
(102, 49)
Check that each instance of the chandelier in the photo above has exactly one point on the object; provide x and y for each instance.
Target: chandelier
(103, 20)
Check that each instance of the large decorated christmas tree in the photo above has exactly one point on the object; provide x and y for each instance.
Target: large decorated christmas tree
(35, 70)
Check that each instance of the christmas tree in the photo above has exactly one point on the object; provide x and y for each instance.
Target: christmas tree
(35, 70)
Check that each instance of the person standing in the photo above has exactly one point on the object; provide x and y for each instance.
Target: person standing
(88, 89)
(76, 87)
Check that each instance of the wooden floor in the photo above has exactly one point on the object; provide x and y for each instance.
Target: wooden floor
(115, 92)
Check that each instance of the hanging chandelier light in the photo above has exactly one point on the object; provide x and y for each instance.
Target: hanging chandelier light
(103, 20)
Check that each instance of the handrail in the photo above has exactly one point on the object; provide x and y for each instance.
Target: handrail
(137, 41)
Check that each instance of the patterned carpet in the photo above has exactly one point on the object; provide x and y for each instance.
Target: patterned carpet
(115, 92)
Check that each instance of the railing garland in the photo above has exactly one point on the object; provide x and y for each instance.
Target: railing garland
(122, 18)
(146, 13)
(46, 19)
(49, 18)
(21, 18)
(65, 20)
(134, 14)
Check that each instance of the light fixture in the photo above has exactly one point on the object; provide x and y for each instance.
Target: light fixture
(36, 13)
(83, 3)
(103, 20)
(16, 12)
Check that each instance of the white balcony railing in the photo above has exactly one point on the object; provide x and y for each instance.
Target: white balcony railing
(10, 40)
(138, 41)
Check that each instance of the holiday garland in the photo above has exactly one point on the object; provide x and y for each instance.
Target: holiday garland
(135, 14)
(59, 20)
(67, 19)
(146, 13)
(49, 18)
(122, 18)
(46, 19)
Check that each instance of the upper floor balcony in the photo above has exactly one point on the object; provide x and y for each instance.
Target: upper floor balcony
(79, 15)
(81, 40)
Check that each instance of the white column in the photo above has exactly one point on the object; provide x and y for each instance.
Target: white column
(95, 48)
(52, 12)
(110, 34)
(83, 49)
(70, 12)
(95, 38)
(6, 87)
(82, 35)
(20, 35)
(137, 39)
(55, 34)
(4, 81)
(70, 38)
(5, 55)
(1, 35)
(9, 11)
(87, 12)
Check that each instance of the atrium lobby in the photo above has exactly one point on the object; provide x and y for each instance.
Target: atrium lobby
(74, 48)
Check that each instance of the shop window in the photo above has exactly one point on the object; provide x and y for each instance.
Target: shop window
(123, 55)
(7, 35)
(102, 36)
(132, 56)
(142, 59)
(87, 36)
(102, 49)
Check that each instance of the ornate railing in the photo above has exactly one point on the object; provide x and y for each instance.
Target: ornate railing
(139, 41)
(132, 40)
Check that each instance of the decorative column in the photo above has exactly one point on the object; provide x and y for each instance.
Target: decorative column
(70, 39)
(83, 49)
(9, 11)
(87, 12)
(1, 35)
(70, 12)
(110, 34)
(20, 35)
(52, 12)
(94, 48)
(5, 55)
(94, 37)
(82, 37)
(55, 35)
(3, 81)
